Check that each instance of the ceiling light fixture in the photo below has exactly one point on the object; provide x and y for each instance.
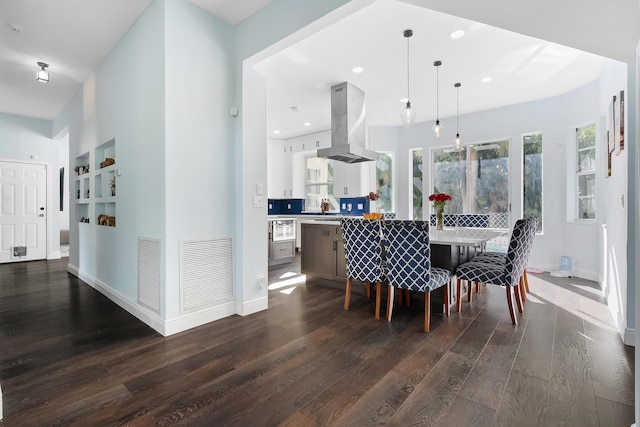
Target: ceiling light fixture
(486, 79)
(307, 124)
(42, 75)
(458, 146)
(408, 114)
(357, 70)
(457, 34)
(437, 128)
(276, 131)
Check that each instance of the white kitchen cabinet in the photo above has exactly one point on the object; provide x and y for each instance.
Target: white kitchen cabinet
(348, 179)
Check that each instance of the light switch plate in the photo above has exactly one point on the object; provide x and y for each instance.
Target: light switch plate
(259, 189)
(258, 201)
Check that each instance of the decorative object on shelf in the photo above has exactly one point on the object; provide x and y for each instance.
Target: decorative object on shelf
(107, 220)
(439, 201)
(108, 161)
(112, 183)
(325, 206)
(85, 220)
(437, 128)
(408, 114)
(86, 195)
(81, 170)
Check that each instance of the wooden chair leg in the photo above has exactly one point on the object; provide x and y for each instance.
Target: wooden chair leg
(399, 296)
(510, 304)
(407, 298)
(390, 293)
(469, 290)
(427, 310)
(523, 294)
(526, 280)
(516, 291)
(368, 286)
(347, 296)
(477, 286)
(459, 296)
(447, 310)
(378, 286)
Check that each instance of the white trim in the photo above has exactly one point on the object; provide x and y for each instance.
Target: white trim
(147, 316)
(198, 318)
(179, 323)
(251, 307)
(629, 337)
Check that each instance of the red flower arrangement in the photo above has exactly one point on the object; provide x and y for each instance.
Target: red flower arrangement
(374, 196)
(439, 199)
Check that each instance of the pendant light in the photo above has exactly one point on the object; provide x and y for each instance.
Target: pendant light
(408, 114)
(437, 128)
(458, 146)
(42, 75)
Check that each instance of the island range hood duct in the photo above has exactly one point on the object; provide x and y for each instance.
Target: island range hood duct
(348, 126)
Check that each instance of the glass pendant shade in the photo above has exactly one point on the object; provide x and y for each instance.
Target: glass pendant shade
(437, 129)
(458, 146)
(408, 114)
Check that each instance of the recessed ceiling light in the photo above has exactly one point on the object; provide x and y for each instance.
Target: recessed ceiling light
(307, 124)
(276, 131)
(404, 100)
(457, 34)
(486, 79)
(357, 70)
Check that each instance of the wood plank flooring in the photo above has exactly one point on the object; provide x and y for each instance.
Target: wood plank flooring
(70, 357)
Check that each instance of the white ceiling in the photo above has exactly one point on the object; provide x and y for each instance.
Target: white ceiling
(74, 36)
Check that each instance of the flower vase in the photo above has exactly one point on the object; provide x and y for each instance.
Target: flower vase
(439, 219)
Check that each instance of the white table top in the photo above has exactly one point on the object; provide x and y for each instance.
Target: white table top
(463, 236)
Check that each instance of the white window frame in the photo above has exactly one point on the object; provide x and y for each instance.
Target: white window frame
(410, 181)
(577, 174)
(522, 137)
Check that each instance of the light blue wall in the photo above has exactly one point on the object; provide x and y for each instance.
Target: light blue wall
(29, 140)
(199, 133)
(123, 99)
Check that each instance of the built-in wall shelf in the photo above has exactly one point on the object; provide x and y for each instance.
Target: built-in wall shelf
(94, 187)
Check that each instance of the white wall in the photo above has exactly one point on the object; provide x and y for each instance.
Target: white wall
(29, 140)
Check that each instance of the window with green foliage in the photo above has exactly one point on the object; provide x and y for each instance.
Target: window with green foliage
(416, 183)
(532, 176)
(476, 177)
(318, 182)
(586, 172)
(384, 181)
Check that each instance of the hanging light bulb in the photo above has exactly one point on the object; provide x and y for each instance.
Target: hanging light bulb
(408, 114)
(458, 144)
(437, 128)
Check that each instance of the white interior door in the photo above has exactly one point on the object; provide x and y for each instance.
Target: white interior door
(23, 213)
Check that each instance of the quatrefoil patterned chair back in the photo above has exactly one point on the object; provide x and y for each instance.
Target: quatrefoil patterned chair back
(520, 244)
(363, 249)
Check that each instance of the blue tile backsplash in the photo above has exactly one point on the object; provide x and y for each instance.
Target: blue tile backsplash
(354, 205)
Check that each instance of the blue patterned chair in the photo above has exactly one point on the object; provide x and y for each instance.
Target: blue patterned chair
(363, 252)
(389, 215)
(507, 274)
(500, 257)
(408, 258)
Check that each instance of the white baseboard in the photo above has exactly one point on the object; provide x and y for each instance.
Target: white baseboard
(581, 273)
(629, 337)
(250, 307)
(143, 314)
(177, 324)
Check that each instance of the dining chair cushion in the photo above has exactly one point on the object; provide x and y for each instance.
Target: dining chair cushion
(408, 257)
(363, 249)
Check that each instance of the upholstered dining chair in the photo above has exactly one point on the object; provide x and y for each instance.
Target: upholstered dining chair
(507, 274)
(408, 261)
(500, 257)
(363, 252)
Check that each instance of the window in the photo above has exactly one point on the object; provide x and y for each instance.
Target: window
(476, 178)
(318, 182)
(384, 181)
(532, 176)
(586, 172)
(416, 183)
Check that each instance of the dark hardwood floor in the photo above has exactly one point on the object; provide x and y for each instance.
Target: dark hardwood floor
(70, 357)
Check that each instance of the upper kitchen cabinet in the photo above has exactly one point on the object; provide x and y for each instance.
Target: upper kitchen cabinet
(350, 179)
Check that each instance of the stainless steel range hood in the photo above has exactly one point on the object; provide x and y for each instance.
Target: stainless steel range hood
(348, 126)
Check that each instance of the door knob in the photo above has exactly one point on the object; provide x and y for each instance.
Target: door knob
(41, 215)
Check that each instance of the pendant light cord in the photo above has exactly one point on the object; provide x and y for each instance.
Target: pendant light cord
(437, 93)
